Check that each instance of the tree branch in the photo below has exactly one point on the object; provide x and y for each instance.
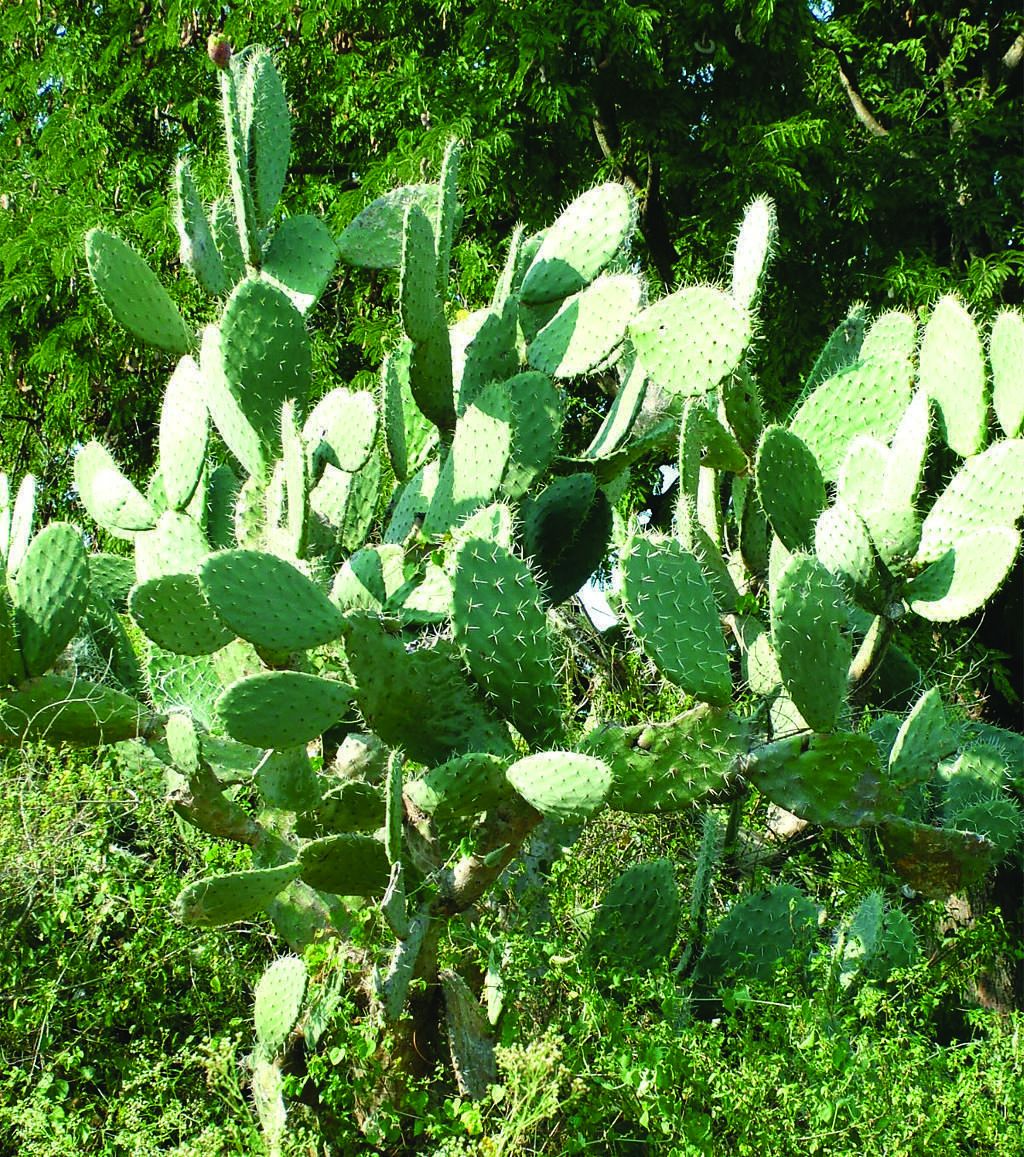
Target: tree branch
(863, 113)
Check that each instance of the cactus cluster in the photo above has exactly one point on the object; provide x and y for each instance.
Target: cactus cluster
(292, 606)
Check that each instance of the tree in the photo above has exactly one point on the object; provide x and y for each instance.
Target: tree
(888, 136)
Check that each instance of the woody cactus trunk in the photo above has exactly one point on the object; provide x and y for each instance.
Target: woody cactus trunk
(360, 678)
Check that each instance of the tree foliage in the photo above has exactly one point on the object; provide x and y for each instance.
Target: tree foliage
(888, 136)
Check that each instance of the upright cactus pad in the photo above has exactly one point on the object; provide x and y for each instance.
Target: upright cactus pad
(279, 997)
(672, 612)
(50, 594)
(579, 245)
(500, 629)
(952, 372)
(808, 616)
(690, 341)
(637, 923)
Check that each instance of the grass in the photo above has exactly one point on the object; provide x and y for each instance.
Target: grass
(123, 1033)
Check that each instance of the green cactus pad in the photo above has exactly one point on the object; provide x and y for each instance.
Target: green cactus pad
(108, 496)
(891, 334)
(1006, 353)
(562, 784)
(228, 410)
(430, 368)
(174, 546)
(999, 821)
(198, 250)
(463, 786)
(374, 239)
(672, 612)
(622, 413)
(300, 259)
(173, 612)
(286, 780)
(419, 702)
(235, 896)
(267, 601)
(808, 614)
(538, 411)
(566, 532)
(12, 666)
(134, 295)
(843, 544)
(579, 245)
(50, 594)
(483, 350)
(341, 429)
(924, 738)
(637, 924)
(225, 236)
(755, 934)
(19, 522)
(690, 341)
(347, 865)
(868, 398)
(475, 465)
(965, 578)
(412, 503)
(264, 355)
(410, 436)
(344, 504)
(666, 767)
(952, 372)
(183, 432)
(394, 809)
(833, 780)
(588, 327)
(987, 491)
(841, 351)
(501, 630)
(935, 861)
(757, 658)
(296, 478)
(59, 709)
(278, 1001)
(447, 215)
(351, 807)
(282, 709)
(266, 130)
(790, 486)
(741, 408)
(754, 246)
(368, 578)
(183, 744)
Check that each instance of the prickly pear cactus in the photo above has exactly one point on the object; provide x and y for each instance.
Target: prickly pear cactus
(366, 632)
